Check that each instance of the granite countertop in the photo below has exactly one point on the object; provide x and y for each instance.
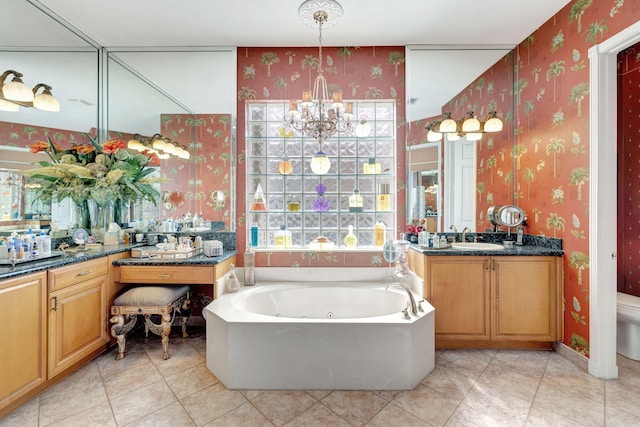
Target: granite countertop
(7, 271)
(195, 260)
(526, 250)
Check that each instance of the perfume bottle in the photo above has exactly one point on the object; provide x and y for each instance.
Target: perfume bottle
(355, 201)
(350, 240)
(372, 167)
(282, 238)
(258, 200)
(379, 231)
(384, 198)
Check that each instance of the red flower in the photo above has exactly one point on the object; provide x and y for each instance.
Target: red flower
(83, 149)
(113, 145)
(39, 146)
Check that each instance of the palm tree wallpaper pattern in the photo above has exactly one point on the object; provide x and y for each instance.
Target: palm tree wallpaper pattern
(282, 73)
(551, 139)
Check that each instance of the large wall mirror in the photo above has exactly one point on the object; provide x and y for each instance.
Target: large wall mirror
(444, 183)
(66, 62)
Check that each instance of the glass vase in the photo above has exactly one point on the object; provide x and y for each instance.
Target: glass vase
(83, 217)
(104, 217)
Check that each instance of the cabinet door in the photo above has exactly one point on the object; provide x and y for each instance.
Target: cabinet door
(526, 299)
(23, 322)
(77, 322)
(459, 290)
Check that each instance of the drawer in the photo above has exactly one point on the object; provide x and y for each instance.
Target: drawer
(62, 277)
(166, 274)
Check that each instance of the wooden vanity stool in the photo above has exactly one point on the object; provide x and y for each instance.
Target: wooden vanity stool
(146, 301)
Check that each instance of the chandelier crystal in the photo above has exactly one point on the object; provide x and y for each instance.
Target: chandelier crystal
(319, 116)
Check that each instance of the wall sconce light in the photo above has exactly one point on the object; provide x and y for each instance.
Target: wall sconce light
(162, 146)
(16, 94)
(470, 127)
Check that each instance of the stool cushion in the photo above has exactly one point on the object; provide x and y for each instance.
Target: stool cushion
(151, 295)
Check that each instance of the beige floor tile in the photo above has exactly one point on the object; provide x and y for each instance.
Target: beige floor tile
(143, 401)
(245, 415)
(570, 404)
(468, 362)
(123, 376)
(173, 415)
(182, 356)
(581, 386)
(23, 416)
(541, 417)
(616, 418)
(280, 407)
(98, 416)
(467, 416)
(622, 397)
(392, 416)
(455, 382)
(87, 375)
(497, 404)
(319, 394)
(70, 397)
(191, 380)
(318, 416)
(356, 407)
(434, 406)
(211, 403)
(250, 394)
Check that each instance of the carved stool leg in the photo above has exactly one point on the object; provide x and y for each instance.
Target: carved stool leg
(184, 327)
(166, 330)
(119, 331)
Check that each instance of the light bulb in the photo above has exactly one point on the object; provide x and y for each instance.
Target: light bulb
(320, 163)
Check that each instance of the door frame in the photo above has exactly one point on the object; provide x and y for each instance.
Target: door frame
(603, 200)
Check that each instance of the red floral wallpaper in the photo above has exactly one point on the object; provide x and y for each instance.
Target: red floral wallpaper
(629, 171)
(208, 137)
(282, 73)
(551, 146)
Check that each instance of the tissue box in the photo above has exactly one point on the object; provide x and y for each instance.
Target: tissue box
(111, 238)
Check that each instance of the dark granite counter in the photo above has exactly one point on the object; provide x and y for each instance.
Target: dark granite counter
(533, 246)
(195, 260)
(7, 271)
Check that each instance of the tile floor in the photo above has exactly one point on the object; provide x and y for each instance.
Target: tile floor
(467, 388)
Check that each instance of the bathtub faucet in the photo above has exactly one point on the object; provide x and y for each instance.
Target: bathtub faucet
(412, 301)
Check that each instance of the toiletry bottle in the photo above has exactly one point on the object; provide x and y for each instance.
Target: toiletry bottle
(350, 240)
(356, 202)
(4, 253)
(254, 235)
(249, 267)
(282, 238)
(379, 234)
(233, 284)
(384, 198)
(520, 236)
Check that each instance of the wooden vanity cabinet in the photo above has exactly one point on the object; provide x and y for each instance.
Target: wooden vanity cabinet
(501, 302)
(23, 322)
(77, 304)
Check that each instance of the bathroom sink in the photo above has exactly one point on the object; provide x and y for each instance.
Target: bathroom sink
(469, 246)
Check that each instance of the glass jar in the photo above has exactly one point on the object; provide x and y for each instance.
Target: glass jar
(282, 238)
(233, 284)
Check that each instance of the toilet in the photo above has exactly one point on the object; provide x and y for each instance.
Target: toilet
(628, 315)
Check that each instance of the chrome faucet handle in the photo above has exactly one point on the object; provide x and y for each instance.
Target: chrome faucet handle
(405, 313)
(453, 227)
(420, 306)
(476, 238)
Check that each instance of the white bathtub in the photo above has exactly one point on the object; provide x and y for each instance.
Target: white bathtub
(318, 335)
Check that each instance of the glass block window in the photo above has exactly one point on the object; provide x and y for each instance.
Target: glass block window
(292, 199)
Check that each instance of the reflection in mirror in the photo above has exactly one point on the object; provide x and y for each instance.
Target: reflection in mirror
(69, 65)
(457, 81)
(423, 184)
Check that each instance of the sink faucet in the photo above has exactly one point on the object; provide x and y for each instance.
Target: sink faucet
(454, 228)
(412, 301)
(464, 234)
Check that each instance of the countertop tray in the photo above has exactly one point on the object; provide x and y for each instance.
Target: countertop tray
(53, 254)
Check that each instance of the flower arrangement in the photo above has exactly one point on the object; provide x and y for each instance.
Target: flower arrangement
(101, 172)
(416, 226)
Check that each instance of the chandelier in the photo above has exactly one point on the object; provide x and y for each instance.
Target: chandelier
(469, 127)
(16, 94)
(320, 117)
